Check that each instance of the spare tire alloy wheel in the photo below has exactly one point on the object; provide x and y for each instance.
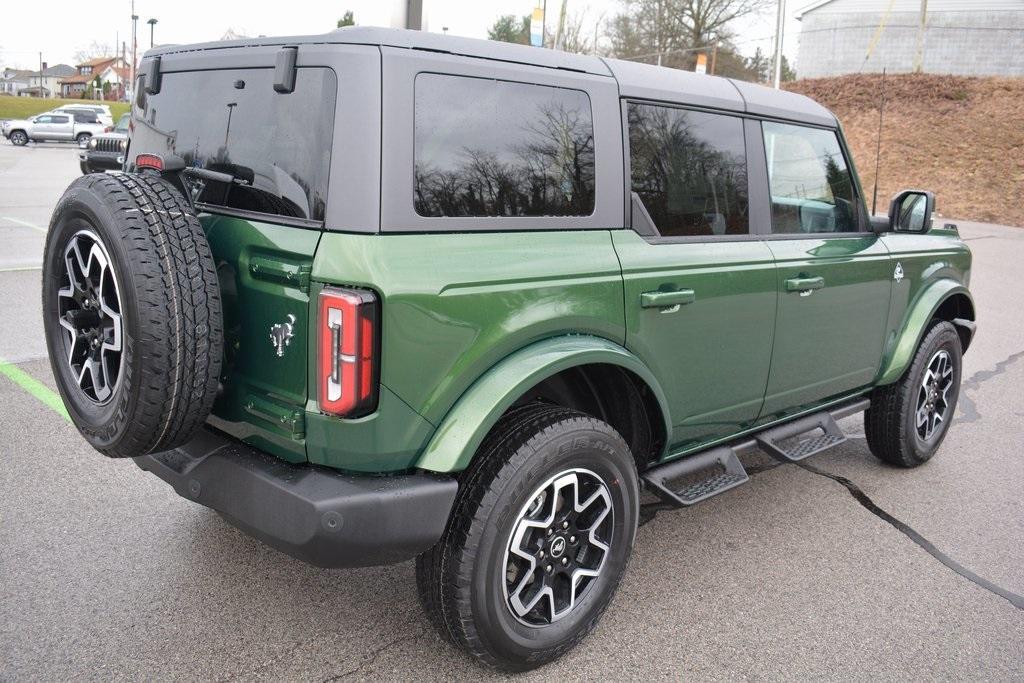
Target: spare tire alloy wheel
(89, 310)
(132, 313)
(558, 546)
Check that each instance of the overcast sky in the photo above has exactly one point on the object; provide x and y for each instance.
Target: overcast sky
(59, 28)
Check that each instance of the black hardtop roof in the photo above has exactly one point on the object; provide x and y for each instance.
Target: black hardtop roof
(636, 80)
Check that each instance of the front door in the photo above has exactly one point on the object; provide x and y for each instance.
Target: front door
(700, 290)
(834, 277)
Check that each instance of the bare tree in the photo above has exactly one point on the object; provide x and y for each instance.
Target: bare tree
(94, 50)
(580, 33)
(675, 29)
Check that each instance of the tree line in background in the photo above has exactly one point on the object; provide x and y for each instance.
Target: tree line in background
(667, 32)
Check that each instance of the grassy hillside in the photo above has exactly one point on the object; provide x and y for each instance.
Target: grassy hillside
(962, 138)
(22, 107)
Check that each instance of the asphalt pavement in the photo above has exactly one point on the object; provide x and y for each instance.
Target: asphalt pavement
(106, 574)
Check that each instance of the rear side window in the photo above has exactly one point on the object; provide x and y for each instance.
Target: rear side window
(86, 118)
(58, 119)
(809, 180)
(689, 169)
(490, 148)
(277, 146)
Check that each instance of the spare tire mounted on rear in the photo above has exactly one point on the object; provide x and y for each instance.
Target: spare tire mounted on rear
(132, 313)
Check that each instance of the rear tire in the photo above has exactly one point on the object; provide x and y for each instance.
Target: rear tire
(476, 585)
(132, 313)
(908, 420)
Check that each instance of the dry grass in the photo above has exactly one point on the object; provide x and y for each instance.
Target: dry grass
(962, 138)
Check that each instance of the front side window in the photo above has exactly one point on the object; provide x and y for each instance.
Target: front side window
(276, 146)
(809, 180)
(490, 148)
(689, 169)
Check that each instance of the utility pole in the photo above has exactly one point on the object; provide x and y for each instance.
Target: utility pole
(40, 74)
(919, 50)
(561, 25)
(714, 57)
(779, 26)
(544, 25)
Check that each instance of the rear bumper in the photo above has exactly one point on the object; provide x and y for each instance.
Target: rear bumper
(312, 513)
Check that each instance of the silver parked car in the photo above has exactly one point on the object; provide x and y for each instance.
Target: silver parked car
(60, 126)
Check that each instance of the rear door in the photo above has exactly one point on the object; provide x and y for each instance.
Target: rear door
(699, 286)
(263, 227)
(834, 276)
(62, 127)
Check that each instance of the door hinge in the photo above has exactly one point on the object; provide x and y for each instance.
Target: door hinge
(282, 271)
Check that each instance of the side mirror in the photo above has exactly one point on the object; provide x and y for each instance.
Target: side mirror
(911, 211)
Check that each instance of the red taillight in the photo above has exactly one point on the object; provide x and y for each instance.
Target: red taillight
(149, 161)
(347, 363)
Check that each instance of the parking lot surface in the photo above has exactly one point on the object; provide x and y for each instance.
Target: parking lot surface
(106, 574)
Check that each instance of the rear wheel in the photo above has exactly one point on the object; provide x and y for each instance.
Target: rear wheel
(18, 138)
(131, 310)
(538, 540)
(908, 420)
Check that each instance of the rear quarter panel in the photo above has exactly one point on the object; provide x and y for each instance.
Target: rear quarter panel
(453, 305)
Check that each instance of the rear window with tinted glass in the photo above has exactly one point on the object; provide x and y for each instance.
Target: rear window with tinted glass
(490, 148)
(276, 145)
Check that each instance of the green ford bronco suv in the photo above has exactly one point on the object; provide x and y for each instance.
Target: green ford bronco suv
(378, 295)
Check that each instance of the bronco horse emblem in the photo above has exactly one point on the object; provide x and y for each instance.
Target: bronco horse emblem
(281, 334)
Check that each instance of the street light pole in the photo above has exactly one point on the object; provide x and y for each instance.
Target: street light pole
(152, 23)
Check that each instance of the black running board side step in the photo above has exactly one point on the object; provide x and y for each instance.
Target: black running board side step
(728, 474)
(724, 460)
(771, 440)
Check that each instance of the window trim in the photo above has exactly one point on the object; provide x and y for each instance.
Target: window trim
(627, 159)
(765, 226)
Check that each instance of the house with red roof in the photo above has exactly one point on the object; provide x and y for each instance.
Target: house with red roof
(102, 78)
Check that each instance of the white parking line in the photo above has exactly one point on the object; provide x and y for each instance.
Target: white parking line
(19, 269)
(23, 223)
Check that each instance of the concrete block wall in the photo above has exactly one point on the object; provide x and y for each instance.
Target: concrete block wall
(961, 43)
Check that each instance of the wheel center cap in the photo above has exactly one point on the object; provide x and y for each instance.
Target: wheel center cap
(558, 547)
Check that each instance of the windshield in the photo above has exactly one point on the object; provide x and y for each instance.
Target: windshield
(122, 123)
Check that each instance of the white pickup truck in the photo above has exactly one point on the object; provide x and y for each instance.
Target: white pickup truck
(60, 126)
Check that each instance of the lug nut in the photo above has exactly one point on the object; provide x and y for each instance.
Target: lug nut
(540, 554)
(565, 561)
(572, 539)
(549, 531)
(548, 569)
(565, 525)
